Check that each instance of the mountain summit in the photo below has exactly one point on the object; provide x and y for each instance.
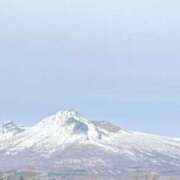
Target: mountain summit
(66, 140)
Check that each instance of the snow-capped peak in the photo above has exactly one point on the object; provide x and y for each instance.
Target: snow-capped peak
(72, 122)
(69, 114)
(62, 117)
(75, 124)
(62, 129)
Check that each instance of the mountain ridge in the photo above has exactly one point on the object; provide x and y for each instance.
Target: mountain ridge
(66, 139)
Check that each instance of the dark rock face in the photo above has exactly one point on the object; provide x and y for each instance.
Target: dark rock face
(11, 127)
(79, 127)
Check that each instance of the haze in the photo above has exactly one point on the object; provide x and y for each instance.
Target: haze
(112, 60)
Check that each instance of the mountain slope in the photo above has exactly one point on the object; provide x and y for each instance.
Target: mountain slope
(68, 141)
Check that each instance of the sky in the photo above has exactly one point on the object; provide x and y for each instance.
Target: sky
(112, 60)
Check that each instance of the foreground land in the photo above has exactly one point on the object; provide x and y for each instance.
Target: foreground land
(36, 176)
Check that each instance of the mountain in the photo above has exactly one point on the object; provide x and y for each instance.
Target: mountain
(67, 142)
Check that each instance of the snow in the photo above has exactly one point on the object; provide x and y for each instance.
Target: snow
(66, 128)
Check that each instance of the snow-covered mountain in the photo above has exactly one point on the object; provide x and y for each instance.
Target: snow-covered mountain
(67, 141)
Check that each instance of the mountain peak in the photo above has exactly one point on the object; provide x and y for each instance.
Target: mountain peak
(61, 117)
(69, 113)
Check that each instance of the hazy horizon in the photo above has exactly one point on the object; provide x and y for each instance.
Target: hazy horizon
(115, 61)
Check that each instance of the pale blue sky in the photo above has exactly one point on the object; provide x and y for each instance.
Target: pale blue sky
(113, 60)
